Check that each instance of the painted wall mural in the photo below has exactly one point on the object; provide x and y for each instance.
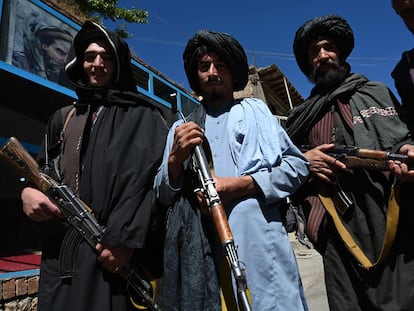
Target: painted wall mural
(37, 41)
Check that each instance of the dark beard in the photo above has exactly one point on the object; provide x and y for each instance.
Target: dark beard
(213, 96)
(326, 81)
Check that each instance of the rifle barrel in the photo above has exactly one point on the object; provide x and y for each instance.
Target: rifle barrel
(203, 171)
(353, 153)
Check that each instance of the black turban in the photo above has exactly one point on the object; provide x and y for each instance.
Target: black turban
(226, 47)
(93, 32)
(329, 26)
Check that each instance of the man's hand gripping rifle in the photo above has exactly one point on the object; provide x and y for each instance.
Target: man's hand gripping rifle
(201, 167)
(78, 215)
(354, 157)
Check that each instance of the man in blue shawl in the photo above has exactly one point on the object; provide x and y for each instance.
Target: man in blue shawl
(256, 167)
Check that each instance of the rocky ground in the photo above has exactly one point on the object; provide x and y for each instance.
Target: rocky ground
(311, 270)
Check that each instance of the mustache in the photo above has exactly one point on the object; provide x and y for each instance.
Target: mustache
(99, 70)
(325, 62)
(214, 79)
(406, 11)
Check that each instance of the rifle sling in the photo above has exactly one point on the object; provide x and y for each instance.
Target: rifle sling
(390, 231)
(72, 136)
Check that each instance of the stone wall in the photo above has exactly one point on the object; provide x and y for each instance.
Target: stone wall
(19, 293)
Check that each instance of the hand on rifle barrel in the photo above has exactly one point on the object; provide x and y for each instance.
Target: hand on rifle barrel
(324, 166)
(401, 169)
(186, 137)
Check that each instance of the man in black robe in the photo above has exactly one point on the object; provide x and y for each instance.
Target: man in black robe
(108, 147)
(371, 267)
(403, 72)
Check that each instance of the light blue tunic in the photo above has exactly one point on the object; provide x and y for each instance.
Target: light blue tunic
(247, 139)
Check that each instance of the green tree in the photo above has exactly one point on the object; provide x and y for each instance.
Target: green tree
(110, 10)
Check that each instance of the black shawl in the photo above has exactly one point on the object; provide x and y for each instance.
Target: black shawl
(118, 159)
(190, 279)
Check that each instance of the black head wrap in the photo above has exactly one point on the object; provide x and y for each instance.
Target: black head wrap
(92, 32)
(226, 47)
(329, 26)
(394, 6)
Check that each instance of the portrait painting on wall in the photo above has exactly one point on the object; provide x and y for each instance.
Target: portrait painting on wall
(37, 41)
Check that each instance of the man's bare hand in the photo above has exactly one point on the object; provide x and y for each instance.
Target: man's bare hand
(401, 169)
(186, 137)
(234, 188)
(113, 259)
(37, 206)
(324, 166)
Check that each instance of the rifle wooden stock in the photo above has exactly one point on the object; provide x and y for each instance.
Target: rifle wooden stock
(226, 238)
(369, 164)
(372, 154)
(202, 168)
(220, 220)
(80, 216)
(386, 156)
(15, 155)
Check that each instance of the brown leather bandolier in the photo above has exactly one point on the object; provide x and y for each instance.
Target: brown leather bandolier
(72, 136)
(71, 142)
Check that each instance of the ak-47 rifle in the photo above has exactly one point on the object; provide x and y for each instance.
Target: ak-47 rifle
(208, 188)
(354, 157)
(78, 215)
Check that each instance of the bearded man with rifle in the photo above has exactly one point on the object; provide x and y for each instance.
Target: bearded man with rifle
(360, 218)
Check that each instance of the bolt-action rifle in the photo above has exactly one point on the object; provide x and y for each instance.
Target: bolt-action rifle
(78, 215)
(354, 157)
(201, 167)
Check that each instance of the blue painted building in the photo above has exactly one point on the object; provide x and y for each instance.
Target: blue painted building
(35, 37)
(34, 41)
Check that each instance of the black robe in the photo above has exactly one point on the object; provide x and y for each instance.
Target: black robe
(117, 161)
(402, 75)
